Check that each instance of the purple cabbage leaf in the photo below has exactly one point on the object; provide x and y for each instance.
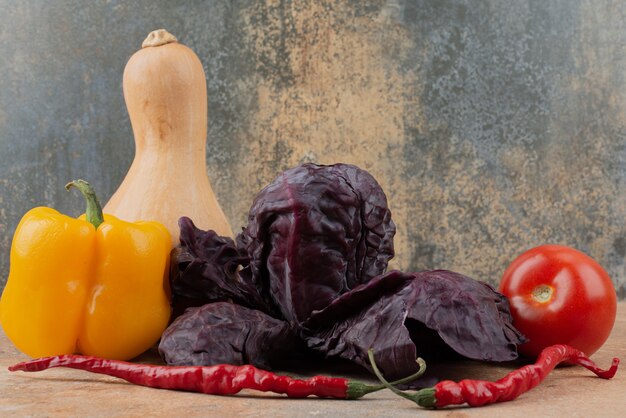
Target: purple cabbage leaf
(430, 314)
(314, 233)
(204, 268)
(227, 333)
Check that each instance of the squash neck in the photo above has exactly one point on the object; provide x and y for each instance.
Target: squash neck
(172, 143)
(184, 150)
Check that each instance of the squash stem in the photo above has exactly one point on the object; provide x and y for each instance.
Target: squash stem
(94, 209)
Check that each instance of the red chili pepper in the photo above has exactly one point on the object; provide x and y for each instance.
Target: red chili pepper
(480, 392)
(221, 379)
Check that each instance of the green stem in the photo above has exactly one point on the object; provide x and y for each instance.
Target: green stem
(357, 389)
(94, 209)
(424, 397)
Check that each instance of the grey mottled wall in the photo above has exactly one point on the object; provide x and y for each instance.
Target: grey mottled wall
(493, 126)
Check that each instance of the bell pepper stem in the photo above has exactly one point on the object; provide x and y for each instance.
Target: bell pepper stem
(94, 209)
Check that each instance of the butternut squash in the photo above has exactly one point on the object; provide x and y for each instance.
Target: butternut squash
(165, 93)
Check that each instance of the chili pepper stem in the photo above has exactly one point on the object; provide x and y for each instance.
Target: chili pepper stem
(94, 209)
(423, 397)
(357, 389)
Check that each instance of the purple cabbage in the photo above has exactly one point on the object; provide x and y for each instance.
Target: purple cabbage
(430, 314)
(204, 268)
(314, 233)
(227, 333)
(307, 274)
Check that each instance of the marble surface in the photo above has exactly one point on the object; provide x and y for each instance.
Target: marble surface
(567, 392)
(492, 126)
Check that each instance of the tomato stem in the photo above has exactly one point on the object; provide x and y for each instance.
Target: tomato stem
(543, 293)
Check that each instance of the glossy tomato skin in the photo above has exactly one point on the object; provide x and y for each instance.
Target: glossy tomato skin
(559, 295)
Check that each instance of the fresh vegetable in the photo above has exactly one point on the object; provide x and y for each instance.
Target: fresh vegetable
(514, 384)
(314, 233)
(560, 295)
(205, 267)
(95, 285)
(431, 314)
(165, 92)
(228, 333)
(311, 282)
(224, 379)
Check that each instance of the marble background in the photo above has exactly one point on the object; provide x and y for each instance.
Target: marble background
(492, 126)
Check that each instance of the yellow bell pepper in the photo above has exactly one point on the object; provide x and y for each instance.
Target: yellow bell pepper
(95, 285)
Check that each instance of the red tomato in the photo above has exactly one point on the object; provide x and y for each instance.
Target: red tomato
(559, 295)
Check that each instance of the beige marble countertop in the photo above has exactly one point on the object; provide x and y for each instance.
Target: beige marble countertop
(567, 392)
